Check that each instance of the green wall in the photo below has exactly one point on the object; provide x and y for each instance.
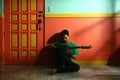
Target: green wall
(1, 6)
(78, 6)
(81, 6)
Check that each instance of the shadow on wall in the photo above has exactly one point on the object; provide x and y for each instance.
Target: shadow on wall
(47, 55)
(114, 58)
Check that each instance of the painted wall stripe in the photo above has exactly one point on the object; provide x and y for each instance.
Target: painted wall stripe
(91, 62)
(1, 16)
(81, 15)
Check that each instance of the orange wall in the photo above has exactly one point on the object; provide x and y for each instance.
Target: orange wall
(102, 33)
(1, 41)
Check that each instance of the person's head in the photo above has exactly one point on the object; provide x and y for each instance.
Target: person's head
(64, 34)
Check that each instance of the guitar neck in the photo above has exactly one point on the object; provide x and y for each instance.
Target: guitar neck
(82, 47)
(75, 47)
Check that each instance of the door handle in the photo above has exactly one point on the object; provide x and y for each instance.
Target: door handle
(40, 11)
(39, 21)
(38, 27)
(39, 15)
(38, 24)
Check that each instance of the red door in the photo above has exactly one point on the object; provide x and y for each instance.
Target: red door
(23, 30)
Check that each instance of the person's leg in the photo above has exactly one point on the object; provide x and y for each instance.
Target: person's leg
(71, 67)
(60, 56)
(60, 62)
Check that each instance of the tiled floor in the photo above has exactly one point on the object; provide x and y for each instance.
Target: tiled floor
(37, 72)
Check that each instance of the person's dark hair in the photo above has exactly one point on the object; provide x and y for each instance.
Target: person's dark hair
(64, 32)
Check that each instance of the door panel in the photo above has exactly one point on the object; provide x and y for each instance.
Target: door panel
(23, 31)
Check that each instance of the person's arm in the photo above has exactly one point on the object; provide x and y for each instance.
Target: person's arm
(54, 46)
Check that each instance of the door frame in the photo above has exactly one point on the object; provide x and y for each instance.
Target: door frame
(43, 27)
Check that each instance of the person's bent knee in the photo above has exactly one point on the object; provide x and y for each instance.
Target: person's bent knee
(77, 68)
